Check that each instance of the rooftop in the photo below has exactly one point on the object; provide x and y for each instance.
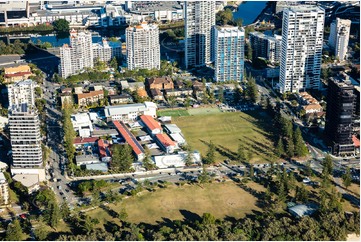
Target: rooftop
(159, 80)
(129, 137)
(21, 68)
(165, 140)
(79, 140)
(150, 122)
(172, 128)
(302, 210)
(90, 94)
(27, 180)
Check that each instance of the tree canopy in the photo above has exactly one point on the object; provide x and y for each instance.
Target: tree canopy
(61, 25)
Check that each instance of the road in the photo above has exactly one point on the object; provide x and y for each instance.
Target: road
(55, 166)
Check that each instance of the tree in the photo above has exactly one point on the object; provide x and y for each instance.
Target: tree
(224, 17)
(147, 161)
(251, 171)
(327, 165)
(61, 25)
(114, 63)
(40, 232)
(221, 94)
(300, 147)
(251, 89)
(189, 156)
(69, 133)
(210, 157)
(122, 215)
(347, 178)
(208, 219)
(249, 51)
(290, 149)
(309, 171)
(204, 176)
(187, 103)
(52, 215)
(241, 156)
(171, 101)
(302, 194)
(64, 211)
(280, 151)
(14, 231)
(122, 157)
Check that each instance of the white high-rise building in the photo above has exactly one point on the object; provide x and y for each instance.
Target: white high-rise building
(228, 53)
(339, 37)
(105, 51)
(200, 17)
(143, 49)
(25, 137)
(21, 92)
(301, 53)
(78, 55)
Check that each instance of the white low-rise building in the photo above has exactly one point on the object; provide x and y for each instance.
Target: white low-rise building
(82, 123)
(178, 160)
(86, 160)
(178, 137)
(130, 112)
(172, 129)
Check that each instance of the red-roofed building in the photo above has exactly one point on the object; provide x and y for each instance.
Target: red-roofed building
(104, 151)
(356, 143)
(166, 143)
(78, 141)
(130, 139)
(16, 74)
(153, 127)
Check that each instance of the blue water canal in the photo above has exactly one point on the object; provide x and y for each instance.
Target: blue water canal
(249, 10)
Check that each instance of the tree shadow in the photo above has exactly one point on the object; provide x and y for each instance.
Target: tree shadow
(111, 227)
(189, 216)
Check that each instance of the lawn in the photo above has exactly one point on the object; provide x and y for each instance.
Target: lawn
(201, 111)
(219, 199)
(173, 113)
(227, 131)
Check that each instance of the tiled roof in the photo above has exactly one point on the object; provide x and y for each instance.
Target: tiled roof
(79, 140)
(165, 140)
(103, 147)
(90, 94)
(18, 74)
(160, 80)
(129, 137)
(150, 122)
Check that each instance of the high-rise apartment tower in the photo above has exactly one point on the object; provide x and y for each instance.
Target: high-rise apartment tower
(301, 52)
(143, 49)
(229, 53)
(339, 37)
(200, 16)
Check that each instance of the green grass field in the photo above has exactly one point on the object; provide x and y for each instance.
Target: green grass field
(227, 131)
(173, 113)
(202, 111)
(219, 199)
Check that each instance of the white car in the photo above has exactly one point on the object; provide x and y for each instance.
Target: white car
(306, 180)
